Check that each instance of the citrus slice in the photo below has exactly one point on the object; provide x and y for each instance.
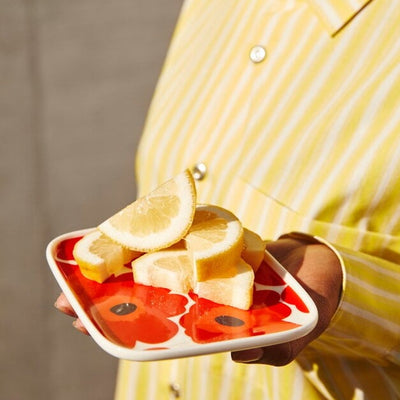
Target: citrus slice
(171, 269)
(235, 291)
(156, 220)
(215, 242)
(253, 249)
(98, 257)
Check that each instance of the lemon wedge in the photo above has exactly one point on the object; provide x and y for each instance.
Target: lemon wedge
(98, 257)
(156, 220)
(215, 242)
(253, 249)
(170, 269)
(235, 291)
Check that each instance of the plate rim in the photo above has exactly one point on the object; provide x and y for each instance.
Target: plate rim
(186, 351)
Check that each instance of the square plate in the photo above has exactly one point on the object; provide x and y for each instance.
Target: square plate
(143, 323)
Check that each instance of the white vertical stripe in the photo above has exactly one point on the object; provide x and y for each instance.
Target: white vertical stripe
(370, 111)
(289, 32)
(168, 107)
(204, 373)
(364, 344)
(226, 380)
(336, 129)
(266, 384)
(273, 91)
(374, 266)
(318, 164)
(192, 36)
(384, 324)
(189, 382)
(172, 84)
(392, 222)
(318, 83)
(283, 221)
(355, 4)
(133, 372)
(330, 13)
(262, 217)
(371, 288)
(235, 121)
(298, 384)
(221, 156)
(214, 83)
(245, 202)
(173, 374)
(248, 383)
(386, 179)
(276, 384)
(151, 387)
(197, 88)
(246, 80)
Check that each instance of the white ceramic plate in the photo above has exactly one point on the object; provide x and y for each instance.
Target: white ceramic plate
(142, 323)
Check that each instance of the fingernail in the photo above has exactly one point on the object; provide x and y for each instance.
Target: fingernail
(62, 306)
(78, 325)
(60, 302)
(247, 356)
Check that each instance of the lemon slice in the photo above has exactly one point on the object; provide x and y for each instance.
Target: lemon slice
(171, 269)
(98, 257)
(253, 249)
(235, 291)
(215, 242)
(156, 220)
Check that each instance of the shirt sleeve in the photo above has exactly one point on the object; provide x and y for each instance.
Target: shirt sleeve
(366, 323)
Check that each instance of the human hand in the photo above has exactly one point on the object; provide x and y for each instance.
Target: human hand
(318, 270)
(315, 266)
(63, 305)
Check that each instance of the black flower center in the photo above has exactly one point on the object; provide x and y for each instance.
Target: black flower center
(228, 320)
(123, 308)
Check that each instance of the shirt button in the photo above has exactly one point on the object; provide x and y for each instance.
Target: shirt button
(175, 390)
(257, 54)
(199, 171)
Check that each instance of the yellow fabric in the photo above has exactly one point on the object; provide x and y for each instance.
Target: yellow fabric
(336, 14)
(308, 139)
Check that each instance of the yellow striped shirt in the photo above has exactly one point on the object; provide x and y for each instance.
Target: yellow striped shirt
(294, 108)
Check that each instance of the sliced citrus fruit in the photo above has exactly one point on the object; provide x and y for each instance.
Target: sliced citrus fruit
(156, 220)
(253, 249)
(98, 257)
(215, 242)
(235, 291)
(171, 269)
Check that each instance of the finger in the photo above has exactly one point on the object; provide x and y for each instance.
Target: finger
(62, 304)
(77, 324)
(277, 355)
(247, 356)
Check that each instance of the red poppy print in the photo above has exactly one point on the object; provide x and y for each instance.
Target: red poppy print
(267, 276)
(291, 297)
(131, 314)
(123, 311)
(64, 249)
(208, 322)
(140, 317)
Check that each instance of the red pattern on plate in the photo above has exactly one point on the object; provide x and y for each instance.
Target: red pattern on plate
(208, 322)
(126, 312)
(123, 311)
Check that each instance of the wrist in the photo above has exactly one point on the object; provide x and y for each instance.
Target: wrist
(318, 268)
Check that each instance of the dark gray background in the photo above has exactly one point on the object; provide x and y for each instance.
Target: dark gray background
(76, 79)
